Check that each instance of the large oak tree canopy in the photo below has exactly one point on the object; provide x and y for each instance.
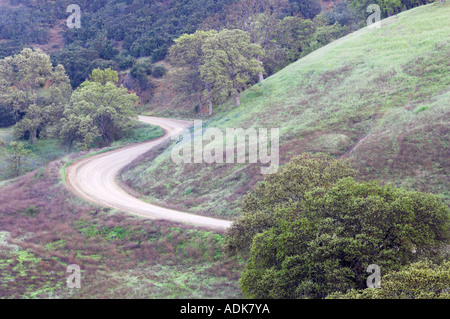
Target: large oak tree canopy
(98, 113)
(308, 233)
(34, 92)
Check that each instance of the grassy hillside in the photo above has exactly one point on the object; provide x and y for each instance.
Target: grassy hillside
(377, 96)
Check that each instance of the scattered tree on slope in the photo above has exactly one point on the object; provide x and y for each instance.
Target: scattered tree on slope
(16, 155)
(231, 61)
(35, 91)
(187, 53)
(98, 114)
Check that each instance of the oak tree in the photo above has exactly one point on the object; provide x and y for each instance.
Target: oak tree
(187, 54)
(97, 115)
(104, 76)
(260, 19)
(231, 60)
(421, 280)
(308, 231)
(35, 91)
(16, 156)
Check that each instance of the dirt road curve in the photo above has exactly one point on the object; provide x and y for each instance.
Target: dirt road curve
(94, 179)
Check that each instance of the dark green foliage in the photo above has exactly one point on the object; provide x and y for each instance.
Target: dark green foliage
(6, 115)
(140, 73)
(77, 61)
(103, 64)
(286, 188)
(141, 69)
(159, 54)
(388, 8)
(341, 14)
(308, 8)
(146, 28)
(108, 51)
(295, 36)
(159, 71)
(124, 61)
(327, 244)
(421, 280)
(24, 24)
(312, 233)
(10, 47)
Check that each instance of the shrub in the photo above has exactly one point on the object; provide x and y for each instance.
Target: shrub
(16, 156)
(31, 211)
(6, 115)
(159, 71)
(308, 8)
(341, 14)
(125, 62)
(421, 280)
(140, 72)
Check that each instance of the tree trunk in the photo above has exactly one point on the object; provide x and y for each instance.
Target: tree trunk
(238, 100)
(210, 105)
(261, 77)
(208, 88)
(261, 74)
(200, 106)
(33, 134)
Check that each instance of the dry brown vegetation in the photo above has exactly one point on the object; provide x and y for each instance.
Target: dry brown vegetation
(50, 229)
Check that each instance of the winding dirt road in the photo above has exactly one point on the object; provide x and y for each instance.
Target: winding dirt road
(94, 179)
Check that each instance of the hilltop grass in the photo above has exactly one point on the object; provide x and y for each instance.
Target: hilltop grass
(377, 96)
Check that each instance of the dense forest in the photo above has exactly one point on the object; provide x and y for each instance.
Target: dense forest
(116, 33)
(132, 36)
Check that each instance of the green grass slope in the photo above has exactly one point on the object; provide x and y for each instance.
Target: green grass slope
(380, 97)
